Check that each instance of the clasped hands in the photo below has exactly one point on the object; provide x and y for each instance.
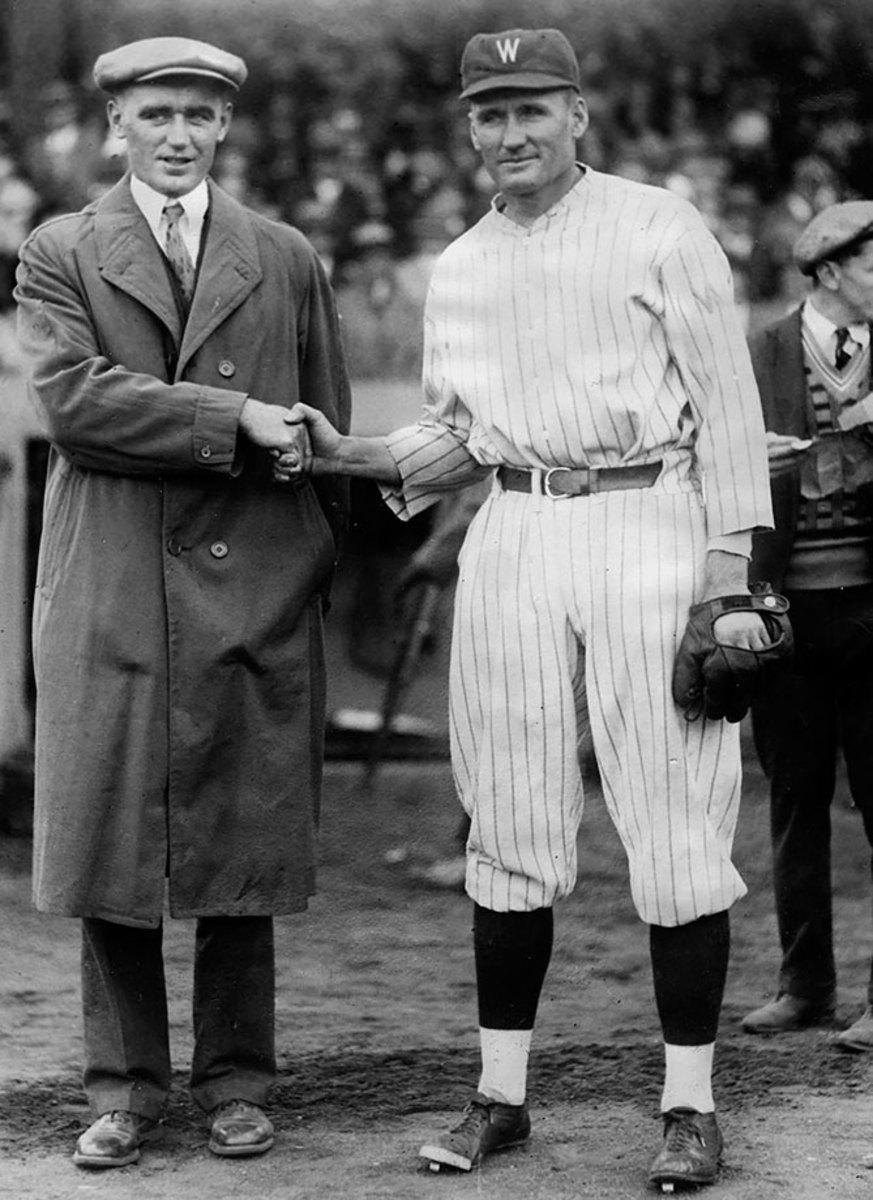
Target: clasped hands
(285, 434)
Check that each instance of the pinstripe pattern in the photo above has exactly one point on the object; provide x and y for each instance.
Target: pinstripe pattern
(605, 334)
(602, 335)
(538, 580)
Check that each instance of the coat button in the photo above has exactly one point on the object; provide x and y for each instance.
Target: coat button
(206, 452)
(173, 547)
(218, 549)
(226, 368)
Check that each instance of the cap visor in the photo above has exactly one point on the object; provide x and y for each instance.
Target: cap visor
(519, 81)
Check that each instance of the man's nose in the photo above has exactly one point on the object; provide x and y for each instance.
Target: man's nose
(177, 131)
(513, 132)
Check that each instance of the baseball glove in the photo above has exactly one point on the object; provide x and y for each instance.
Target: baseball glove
(719, 681)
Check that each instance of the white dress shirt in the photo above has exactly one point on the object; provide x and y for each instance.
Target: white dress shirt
(824, 332)
(152, 204)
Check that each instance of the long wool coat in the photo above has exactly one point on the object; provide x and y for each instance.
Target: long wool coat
(177, 623)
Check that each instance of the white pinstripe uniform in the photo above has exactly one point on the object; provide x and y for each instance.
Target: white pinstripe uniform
(602, 335)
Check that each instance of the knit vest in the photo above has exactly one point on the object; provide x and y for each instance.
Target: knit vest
(832, 545)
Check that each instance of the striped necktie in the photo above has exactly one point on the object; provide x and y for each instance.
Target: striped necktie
(177, 251)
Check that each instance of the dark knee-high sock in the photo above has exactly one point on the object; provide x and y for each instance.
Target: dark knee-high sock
(512, 955)
(512, 952)
(689, 968)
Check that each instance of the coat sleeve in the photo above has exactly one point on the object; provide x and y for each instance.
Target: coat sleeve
(100, 415)
(324, 384)
(708, 347)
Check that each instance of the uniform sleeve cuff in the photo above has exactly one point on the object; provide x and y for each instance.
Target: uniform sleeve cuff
(733, 543)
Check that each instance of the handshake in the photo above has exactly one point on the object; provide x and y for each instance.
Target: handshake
(299, 439)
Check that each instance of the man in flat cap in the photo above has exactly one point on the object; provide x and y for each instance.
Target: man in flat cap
(177, 624)
(815, 375)
(582, 350)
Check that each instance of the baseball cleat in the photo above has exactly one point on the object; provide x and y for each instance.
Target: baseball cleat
(691, 1152)
(485, 1126)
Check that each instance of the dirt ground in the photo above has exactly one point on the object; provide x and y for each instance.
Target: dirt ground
(376, 1017)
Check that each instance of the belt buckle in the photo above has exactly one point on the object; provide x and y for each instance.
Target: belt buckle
(547, 484)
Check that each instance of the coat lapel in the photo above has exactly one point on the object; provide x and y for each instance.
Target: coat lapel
(789, 377)
(130, 259)
(229, 271)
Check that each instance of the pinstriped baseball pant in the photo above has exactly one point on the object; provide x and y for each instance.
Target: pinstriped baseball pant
(539, 581)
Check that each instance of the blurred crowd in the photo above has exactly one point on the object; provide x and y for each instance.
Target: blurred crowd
(760, 136)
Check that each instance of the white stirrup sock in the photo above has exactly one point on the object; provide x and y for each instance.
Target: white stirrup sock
(504, 1063)
(688, 1078)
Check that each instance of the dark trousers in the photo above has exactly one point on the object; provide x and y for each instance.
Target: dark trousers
(824, 702)
(124, 1002)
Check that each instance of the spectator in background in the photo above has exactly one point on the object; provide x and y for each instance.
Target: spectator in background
(813, 186)
(18, 205)
(813, 369)
(65, 158)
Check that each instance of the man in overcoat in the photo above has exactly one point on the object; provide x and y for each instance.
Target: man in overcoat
(815, 375)
(177, 623)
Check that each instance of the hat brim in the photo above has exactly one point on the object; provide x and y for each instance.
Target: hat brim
(808, 266)
(518, 81)
(178, 73)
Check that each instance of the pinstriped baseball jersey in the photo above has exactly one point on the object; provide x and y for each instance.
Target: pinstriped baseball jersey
(602, 335)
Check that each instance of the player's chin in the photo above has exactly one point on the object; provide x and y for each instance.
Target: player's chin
(519, 183)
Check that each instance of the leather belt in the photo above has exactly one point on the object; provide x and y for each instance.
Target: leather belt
(561, 483)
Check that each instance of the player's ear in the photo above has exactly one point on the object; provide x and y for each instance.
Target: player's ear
(474, 137)
(579, 117)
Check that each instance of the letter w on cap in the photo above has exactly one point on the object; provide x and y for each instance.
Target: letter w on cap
(508, 49)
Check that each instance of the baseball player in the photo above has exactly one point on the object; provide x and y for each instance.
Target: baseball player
(581, 346)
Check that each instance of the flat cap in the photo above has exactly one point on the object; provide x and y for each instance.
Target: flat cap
(157, 58)
(526, 59)
(833, 229)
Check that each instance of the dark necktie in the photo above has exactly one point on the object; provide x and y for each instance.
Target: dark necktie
(842, 356)
(177, 252)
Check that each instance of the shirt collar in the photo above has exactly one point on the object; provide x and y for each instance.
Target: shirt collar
(823, 330)
(151, 203)
(571, 196)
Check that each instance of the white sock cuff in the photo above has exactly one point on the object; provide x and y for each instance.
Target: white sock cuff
(688, 1077)
(505, 1054)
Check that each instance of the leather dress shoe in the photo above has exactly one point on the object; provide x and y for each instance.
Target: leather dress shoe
(788, 1012)
(114, 1140)
(240, 1128)
(859, 1035)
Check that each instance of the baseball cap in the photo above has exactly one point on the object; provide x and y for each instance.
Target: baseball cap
(526, 59)
(157, 58)
(833, 229)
